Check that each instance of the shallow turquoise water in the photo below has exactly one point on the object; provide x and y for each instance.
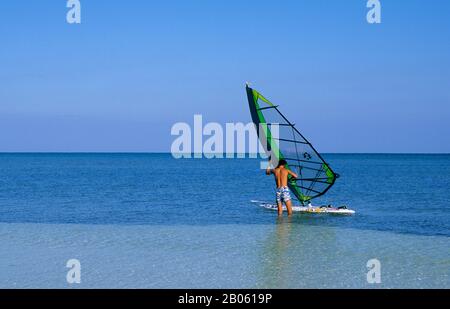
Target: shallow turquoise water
(148, 220)
(280, 255)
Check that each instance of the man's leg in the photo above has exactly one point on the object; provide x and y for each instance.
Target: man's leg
(289, 207)
(280, 208)
(279, 202)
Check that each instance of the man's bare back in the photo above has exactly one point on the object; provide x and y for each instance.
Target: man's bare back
(281, 174)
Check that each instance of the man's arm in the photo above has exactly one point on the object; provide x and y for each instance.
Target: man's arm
(292, 174)
(269, 171)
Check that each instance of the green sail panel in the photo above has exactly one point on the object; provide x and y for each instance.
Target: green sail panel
(315, 176)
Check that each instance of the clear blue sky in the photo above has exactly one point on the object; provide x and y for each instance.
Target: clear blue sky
(118, 81)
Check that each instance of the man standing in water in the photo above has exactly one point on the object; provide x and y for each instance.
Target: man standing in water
(281, 174)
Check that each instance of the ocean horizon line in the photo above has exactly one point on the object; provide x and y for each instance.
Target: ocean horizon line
(224, 154)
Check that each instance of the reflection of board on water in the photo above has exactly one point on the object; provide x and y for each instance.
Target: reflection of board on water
(326, 209)
(312, 176)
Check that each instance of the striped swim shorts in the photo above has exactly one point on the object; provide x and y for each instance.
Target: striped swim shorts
(283, 194)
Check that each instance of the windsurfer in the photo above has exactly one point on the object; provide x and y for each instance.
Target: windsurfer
(281, 174)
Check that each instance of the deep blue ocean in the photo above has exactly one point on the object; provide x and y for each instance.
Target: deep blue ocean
(390, 192)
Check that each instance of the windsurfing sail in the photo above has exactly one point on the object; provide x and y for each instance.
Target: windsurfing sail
(315, 176)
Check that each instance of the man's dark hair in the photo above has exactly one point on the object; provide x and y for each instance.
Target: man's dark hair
(282, 162)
